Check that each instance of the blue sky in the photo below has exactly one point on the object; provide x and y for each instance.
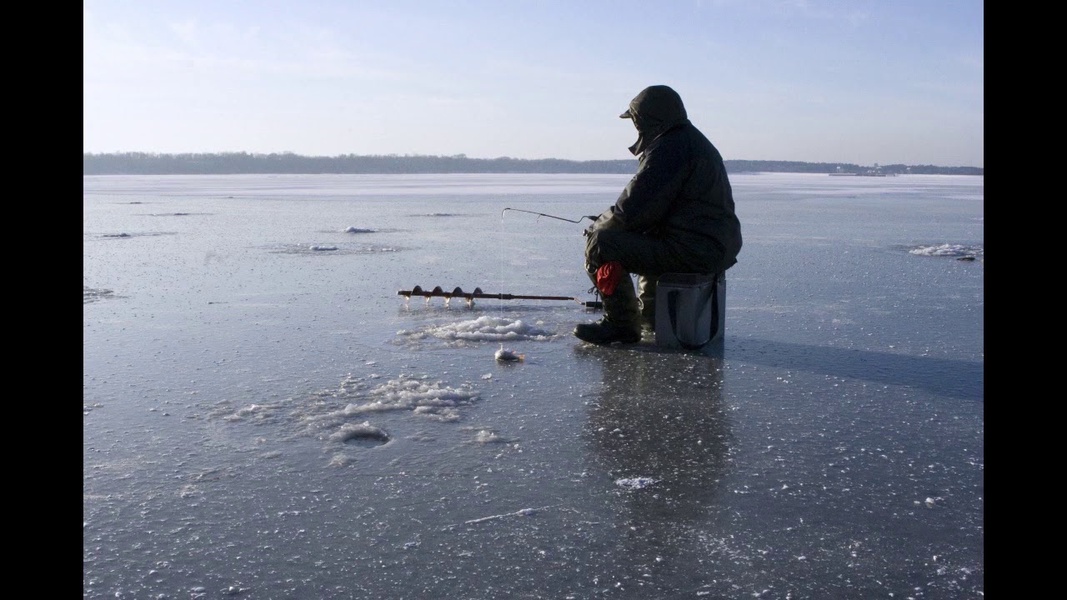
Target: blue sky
(852, 81)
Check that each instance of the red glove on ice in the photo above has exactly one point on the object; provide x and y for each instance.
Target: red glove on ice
(608, 276)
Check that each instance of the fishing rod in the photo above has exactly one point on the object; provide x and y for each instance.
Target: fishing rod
(437, 292)
(545, 215)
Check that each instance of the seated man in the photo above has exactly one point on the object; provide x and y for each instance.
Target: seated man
(676, 215)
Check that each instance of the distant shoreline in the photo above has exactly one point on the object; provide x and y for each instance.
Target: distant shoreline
(236, 163)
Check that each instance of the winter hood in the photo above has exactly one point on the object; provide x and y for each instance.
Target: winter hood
(655, 110)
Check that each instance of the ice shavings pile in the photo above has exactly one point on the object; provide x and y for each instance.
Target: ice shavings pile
(485, 328)
(432, 399)
(417, 394)
(952, 250)
(253, 413)
(339, 416)
(484, 436)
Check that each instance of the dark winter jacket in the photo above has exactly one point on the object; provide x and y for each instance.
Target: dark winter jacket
(680, 192)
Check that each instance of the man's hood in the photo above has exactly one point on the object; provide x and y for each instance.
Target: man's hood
(655, 110)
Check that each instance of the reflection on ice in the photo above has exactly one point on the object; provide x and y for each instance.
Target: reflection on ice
(660, 420)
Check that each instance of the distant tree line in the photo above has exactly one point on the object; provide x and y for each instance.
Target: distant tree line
(233, 163)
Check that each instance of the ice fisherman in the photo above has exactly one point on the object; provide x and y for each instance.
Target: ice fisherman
(676, 215)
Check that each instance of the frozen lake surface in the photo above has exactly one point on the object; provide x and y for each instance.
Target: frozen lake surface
(264, 416)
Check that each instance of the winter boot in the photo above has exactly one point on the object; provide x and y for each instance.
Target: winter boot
(605, 332)
(621, 318)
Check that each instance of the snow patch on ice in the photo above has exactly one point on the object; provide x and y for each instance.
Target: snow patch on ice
(485, 328)
(959, 251)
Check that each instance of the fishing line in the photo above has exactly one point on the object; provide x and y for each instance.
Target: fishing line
(500, 276)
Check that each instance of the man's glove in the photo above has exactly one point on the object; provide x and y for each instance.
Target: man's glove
(608, 276)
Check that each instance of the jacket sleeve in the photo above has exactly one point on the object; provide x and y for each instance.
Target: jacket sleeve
(647, 199)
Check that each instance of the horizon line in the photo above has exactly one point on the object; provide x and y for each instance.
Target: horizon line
(462, 156)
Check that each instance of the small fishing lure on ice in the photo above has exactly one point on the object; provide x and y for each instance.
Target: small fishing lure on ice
(504, 355)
